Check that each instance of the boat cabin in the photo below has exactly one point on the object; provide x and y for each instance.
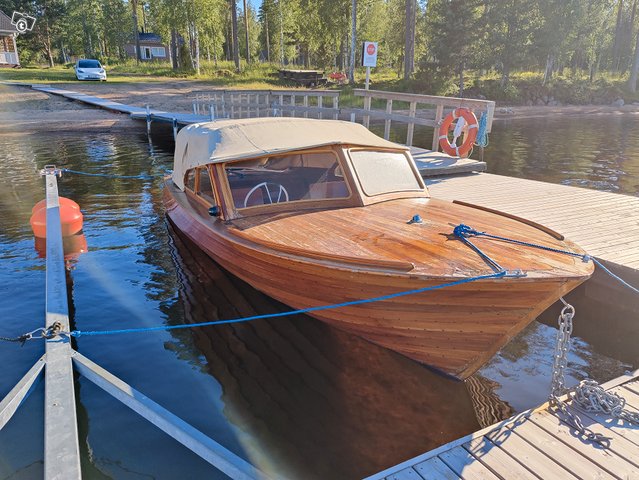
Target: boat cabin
(248, 167)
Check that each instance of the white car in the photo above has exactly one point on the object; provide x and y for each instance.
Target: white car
(90, 70)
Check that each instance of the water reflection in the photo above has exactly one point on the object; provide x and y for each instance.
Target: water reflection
(601, 153)
(292, 395)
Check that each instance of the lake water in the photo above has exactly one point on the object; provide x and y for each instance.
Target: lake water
(293, 396)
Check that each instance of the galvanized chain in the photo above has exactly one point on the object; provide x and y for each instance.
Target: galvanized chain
(558, 387)
(590, 397)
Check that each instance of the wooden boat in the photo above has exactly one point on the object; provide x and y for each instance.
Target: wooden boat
(318, 212)
(293, 387)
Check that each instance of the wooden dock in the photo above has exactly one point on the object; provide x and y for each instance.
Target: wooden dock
(535, 445)
(429, 162)
(135, 112)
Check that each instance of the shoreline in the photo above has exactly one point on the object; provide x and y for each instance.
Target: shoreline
(19, 104)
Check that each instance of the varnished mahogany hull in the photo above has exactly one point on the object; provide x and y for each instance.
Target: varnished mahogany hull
(455, 330)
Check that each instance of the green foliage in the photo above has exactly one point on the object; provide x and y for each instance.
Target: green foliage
(510, 50)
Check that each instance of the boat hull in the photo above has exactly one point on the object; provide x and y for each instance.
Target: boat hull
(454, 329)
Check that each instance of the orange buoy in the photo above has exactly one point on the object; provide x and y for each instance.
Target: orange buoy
(70, 218)
(469, 139)
(64, 202)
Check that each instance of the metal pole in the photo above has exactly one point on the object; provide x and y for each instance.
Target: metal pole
(148, 119)
(61, 451)
(19, 393)
(368, 76)
(203, 446)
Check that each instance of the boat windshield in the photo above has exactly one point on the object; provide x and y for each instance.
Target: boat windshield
(384, 172)
(286, 178)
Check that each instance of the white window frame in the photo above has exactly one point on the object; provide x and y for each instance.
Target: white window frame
(159, 52)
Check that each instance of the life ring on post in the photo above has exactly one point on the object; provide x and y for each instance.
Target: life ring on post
(466, 118)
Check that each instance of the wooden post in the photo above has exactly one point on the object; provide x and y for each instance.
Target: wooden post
(148, 119)
(411, 126)
(305, 103)
(320, 104)
(335, 106)
(387, 122)
(15, 48)
(439, 114)
(367, 106)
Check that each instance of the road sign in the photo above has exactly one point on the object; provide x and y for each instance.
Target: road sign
(369, 54)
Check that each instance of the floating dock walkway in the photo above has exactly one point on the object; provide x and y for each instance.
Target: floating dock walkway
(429, 162)
(535, 444)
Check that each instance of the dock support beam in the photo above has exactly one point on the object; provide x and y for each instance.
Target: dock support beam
(61, 451)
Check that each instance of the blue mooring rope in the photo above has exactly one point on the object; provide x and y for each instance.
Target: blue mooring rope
(482, 131)
(79, 333)
(461, 231)
(107, 175)
(464, 231)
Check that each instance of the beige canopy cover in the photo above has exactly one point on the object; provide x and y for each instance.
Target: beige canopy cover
(226, 140)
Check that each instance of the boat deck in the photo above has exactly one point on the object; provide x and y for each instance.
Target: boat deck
(535, 444)
(605, 224)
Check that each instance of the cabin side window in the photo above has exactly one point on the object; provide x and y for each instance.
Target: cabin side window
(204, 187)
(198, 182)
(304, 176)
(189, 180)
(384, 172)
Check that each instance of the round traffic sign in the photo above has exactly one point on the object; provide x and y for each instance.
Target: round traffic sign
(370, 49)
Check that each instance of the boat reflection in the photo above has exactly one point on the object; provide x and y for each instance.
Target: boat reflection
(310, 401)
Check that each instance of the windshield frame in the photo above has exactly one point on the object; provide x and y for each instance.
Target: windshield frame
(369, 199)
(232, 211)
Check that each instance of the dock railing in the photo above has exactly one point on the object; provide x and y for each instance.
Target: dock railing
(426, 110)
(415, 109)
(261, 103)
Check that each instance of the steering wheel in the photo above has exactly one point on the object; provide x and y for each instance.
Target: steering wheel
(271, 189)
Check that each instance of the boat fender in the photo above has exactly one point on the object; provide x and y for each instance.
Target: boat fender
(466, 118)
(70, 218)
(415, 219)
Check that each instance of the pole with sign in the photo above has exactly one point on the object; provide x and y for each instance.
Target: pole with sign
(369, 58)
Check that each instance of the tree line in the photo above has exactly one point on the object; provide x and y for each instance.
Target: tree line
(436, 38)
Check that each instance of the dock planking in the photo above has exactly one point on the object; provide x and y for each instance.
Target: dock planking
(535, 444)
(139, 113)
